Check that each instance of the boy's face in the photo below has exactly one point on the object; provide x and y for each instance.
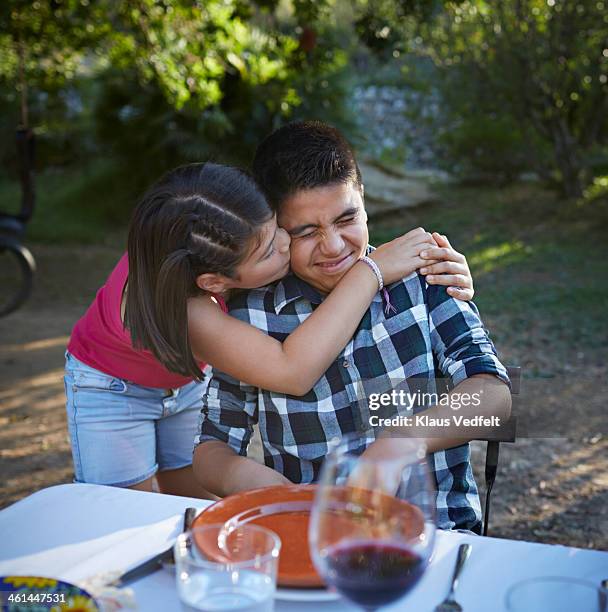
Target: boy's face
(328, 229)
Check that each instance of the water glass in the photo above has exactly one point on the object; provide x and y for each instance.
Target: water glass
(556, 593)
(222, 568)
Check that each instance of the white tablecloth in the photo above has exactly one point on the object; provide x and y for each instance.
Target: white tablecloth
(72, 531)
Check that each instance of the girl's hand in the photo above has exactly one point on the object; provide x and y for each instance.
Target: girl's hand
(446, 266)
(401, 256)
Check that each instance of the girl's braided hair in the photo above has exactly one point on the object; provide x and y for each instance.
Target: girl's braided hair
(198, 218)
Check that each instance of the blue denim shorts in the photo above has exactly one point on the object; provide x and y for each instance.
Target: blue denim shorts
(123, 433)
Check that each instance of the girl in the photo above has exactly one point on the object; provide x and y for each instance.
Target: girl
(135, 360)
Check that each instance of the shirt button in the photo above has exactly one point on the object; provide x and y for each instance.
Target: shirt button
(346, 363)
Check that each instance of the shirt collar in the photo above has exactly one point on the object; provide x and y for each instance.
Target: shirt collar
(292, 288)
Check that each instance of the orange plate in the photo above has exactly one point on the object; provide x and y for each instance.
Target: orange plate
(286, 511)
(282, 509)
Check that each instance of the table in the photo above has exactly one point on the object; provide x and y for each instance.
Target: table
(72, 531)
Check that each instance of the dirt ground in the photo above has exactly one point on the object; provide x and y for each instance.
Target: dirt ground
(547, 490)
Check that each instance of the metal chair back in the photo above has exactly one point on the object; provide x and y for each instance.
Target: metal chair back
(505, 433)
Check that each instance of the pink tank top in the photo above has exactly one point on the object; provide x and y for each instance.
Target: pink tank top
(100, 340)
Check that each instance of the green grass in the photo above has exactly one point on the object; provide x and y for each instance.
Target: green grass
(75, 205)
(539, 264)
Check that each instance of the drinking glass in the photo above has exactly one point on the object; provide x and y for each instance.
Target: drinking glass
(218, 568)
(372, 526)
(556, 593)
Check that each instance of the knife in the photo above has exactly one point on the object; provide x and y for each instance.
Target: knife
(158, 561)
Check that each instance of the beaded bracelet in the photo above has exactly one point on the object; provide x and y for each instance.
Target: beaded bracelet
(375, 269)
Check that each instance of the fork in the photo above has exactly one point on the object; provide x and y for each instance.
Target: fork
(449, 604)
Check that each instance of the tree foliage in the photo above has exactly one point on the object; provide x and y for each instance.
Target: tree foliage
(199, 77)
(524, 83)
(541, 65)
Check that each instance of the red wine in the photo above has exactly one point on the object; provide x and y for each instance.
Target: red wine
(373, 574)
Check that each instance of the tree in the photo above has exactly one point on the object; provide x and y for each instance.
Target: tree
(228, 70)
(544, 63)
(43, 43)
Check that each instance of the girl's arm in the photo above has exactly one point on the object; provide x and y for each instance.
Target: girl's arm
(293, 366)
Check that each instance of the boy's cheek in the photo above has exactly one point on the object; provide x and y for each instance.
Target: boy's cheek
(299, 257)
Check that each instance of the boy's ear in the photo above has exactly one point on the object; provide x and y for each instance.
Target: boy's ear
(213, 283)
(363, 201)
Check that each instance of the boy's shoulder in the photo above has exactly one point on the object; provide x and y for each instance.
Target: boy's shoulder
(407, 292)
(413, 290)
(259, 299)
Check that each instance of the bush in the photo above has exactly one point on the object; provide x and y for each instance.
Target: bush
(484, 147)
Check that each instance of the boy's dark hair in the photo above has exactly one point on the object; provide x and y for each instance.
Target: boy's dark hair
(303, 155)
(198, 218)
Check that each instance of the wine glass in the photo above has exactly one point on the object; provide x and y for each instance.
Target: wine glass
(372, 525)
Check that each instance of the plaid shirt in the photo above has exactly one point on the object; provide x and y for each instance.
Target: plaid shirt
(430, 335)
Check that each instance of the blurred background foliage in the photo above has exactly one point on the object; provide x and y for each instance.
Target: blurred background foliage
(119, 92)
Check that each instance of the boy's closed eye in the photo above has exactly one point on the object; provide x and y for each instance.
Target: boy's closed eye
(340, 222)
